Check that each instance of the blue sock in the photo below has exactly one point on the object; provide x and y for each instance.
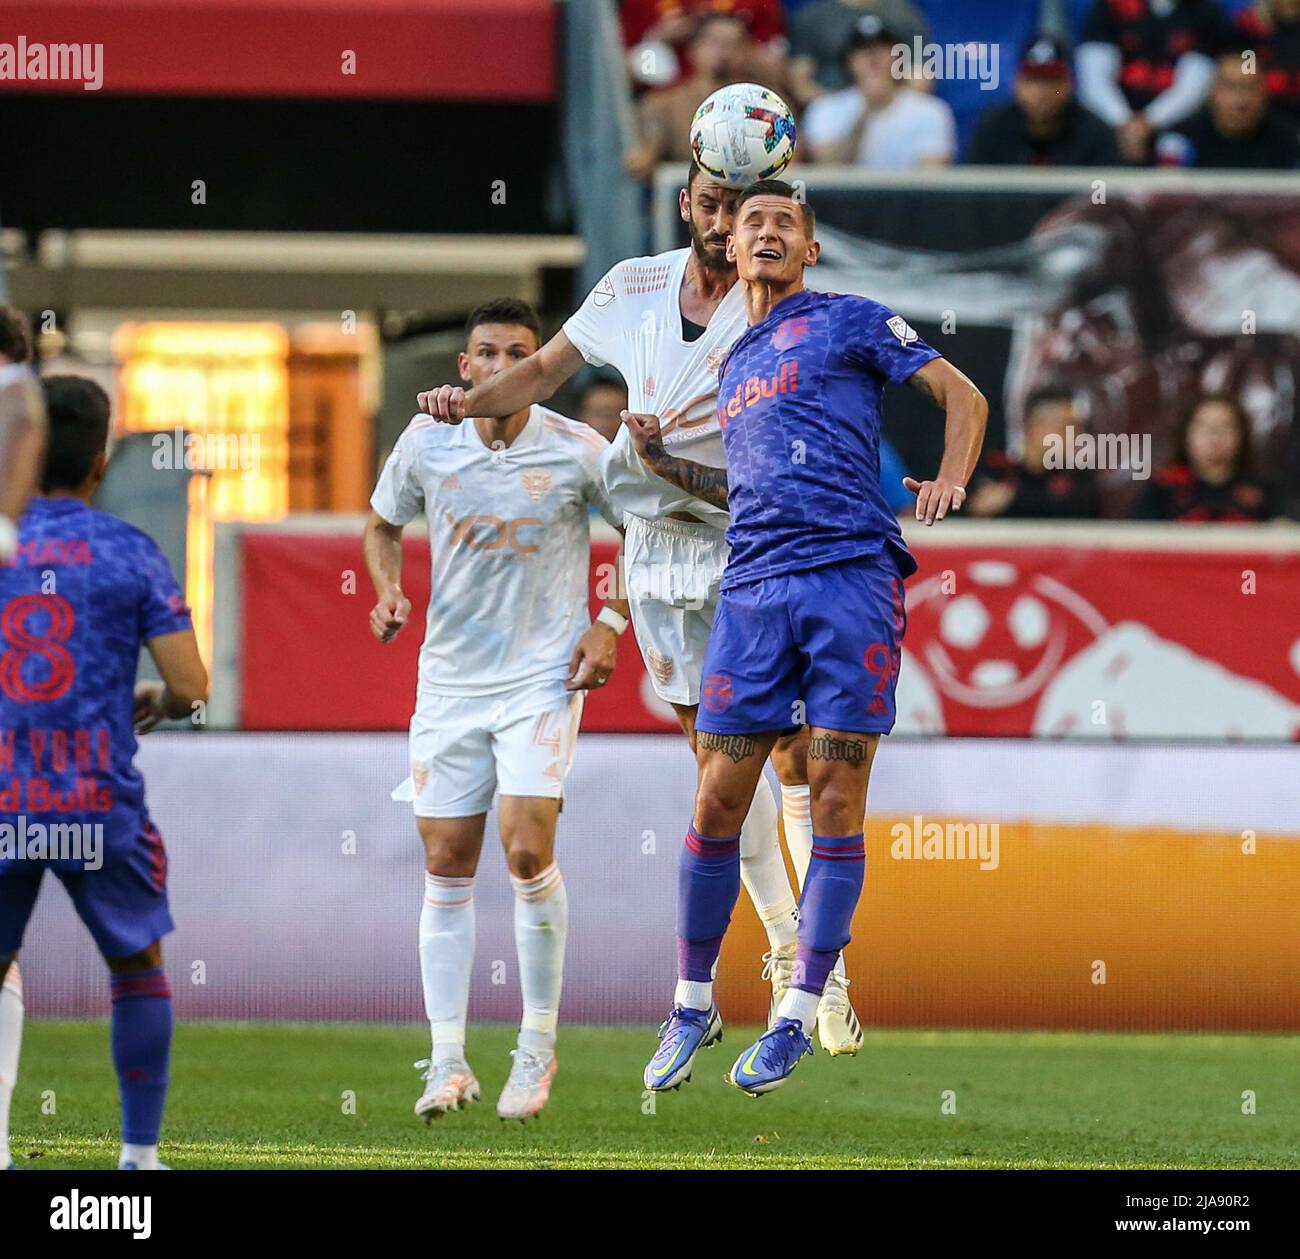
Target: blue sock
(142, 1043)
(831, 890)
(708, 884)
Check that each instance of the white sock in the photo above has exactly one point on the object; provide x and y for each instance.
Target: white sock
(446, 957)
(694, 994)
(801, 1005)
(11, 1043)
(796, 815)
(762, 869)
(541, 927)
(145, 1157)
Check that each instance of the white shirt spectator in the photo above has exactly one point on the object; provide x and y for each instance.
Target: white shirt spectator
(913, 129)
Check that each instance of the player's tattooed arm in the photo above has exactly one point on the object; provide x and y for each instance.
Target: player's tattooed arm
(697, 479)
(966, 415)
(736, 747)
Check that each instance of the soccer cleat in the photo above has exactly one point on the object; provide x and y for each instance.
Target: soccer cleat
(770, 1061)
(133, 1167)
(449, 1085)
(838, 1028)
(681, 1036)
(529, 1087)
(778, 967)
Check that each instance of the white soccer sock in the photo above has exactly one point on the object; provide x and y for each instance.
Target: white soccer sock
(541, 928)
(800, 1005)
(11, 1043)
(446, 957)
(762, 869)
(796, 814)
(694, 994)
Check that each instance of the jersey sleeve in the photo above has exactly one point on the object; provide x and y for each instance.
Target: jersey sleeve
(593, 487)
(163, 609)
(875, 338)
(399, 496)
(588, 328)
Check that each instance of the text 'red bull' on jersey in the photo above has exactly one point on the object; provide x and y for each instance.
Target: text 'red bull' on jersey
(85, 592)
(799, 406)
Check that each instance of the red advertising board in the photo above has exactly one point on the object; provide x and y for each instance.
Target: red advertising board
(1059, 639)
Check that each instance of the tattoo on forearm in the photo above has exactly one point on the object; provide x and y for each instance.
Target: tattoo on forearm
(736, 746)
(824, 747)
(697, 479)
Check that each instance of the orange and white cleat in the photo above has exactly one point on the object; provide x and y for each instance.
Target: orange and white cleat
(529, 1087)
(449, 1085)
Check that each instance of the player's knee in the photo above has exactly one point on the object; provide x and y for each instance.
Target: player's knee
(720, 808)
(149, 958)
(527, 861)
(448, 861)
(790, 759)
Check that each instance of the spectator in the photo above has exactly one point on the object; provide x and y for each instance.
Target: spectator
(1272, 29)
(1237, 130)
(1210, 478)
(879, 122)
(601, 405)
(1144, 65)
(1030, 489)
(822, 30)
(658, 34)
(1043, 125)
(721, 52)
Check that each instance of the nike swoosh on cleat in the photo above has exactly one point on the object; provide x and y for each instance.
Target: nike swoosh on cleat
(657, 1072)
(747, 1067)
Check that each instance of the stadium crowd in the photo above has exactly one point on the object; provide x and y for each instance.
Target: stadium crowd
(1206, 83)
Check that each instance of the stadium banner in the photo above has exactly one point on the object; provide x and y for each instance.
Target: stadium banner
(1084, 631)
(1010, 883)
(1136, 290)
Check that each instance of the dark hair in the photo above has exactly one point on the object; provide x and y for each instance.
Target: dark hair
(78, 431)
(1047, 395)
(778, 188)
(15, 336)
(507, 310)
(1244, 463)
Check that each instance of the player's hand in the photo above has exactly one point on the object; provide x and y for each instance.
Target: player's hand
(446, 403)
(389, 615)
(935, 499)
(593, 659)
(645, 432)
(148, 705)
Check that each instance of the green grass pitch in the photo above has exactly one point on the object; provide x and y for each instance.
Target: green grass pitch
(273, 1096)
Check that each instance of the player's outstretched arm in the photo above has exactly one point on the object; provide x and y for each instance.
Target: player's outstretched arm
(184, 684)
(533, 379)
(383, 546)
(697, 479)
(967, 412)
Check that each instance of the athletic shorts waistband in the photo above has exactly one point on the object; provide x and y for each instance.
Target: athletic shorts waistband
(679, 528)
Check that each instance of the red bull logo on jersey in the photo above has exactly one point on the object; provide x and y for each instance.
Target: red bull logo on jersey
(756, 389)
(716, 692)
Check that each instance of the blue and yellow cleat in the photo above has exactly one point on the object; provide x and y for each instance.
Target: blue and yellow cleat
(681, 1036)
(770, 1061)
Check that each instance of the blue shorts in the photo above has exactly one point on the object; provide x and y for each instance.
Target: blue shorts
(819, 647)
(123, 903)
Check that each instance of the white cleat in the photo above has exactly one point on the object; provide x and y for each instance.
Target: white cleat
(449, 1085)
(529, 1087)
(778, 967)
(838, 1028)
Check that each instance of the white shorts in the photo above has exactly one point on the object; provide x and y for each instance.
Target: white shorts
(464, 748)
(673, 570)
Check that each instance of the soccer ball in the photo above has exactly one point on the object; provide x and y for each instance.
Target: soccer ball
(742, 133)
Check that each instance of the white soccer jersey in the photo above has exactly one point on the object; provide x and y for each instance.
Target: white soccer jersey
(510, 546)
(632, 320)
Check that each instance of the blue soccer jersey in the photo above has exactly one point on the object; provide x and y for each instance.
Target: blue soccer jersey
(799, 405)
(84, 593)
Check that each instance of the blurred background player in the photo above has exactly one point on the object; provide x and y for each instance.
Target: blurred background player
(811, 615)
(85, 592)
(666, 322)
(508, 650)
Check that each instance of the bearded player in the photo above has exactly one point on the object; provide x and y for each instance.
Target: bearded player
(666, 322)
(811, 616)
(508, 649)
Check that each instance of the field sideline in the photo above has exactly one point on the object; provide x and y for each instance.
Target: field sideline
(272, 1096)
